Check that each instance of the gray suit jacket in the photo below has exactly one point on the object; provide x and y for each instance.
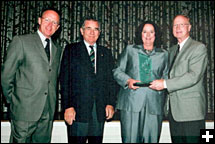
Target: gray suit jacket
(185, 86)
(28, 79)
(128, 67)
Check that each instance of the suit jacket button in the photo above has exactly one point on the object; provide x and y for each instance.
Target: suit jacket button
(50, 70)
(46, 93)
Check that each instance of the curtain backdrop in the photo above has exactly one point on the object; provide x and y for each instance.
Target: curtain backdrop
(119, 20)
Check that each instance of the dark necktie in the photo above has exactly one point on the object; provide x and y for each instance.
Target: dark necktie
(92, 56)
(47, 48)
(177, 51)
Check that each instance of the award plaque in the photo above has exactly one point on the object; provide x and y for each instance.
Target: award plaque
(145, 71)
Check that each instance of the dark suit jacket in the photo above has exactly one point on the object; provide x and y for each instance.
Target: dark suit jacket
(28, 79)
(80, 86)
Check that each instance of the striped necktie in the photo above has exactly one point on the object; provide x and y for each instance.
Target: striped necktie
(92, 56)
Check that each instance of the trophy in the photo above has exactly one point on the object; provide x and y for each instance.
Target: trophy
(145, 71)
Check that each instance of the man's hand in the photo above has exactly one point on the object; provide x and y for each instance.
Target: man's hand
(69, 115)
(131, 82)
(109, 111)
(157, 84)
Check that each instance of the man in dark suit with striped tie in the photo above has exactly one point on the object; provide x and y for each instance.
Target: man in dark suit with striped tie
(87, 86)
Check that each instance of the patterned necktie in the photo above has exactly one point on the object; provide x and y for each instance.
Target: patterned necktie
(148, 51)
(174, 58)
(92, 56)
(47, 48)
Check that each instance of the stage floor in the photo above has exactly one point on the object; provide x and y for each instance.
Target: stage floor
(111, 132)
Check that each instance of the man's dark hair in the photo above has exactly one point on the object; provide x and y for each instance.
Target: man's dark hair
(89, 18)
(138, 34)
(83, 24)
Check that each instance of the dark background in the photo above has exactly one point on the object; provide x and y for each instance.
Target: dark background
(119, 20)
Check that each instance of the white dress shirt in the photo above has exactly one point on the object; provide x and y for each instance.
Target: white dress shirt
(89, 49)
(43, 39)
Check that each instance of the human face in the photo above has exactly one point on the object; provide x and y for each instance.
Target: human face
(148, 35)
(181, 28)
(90, 31)
(49, 23)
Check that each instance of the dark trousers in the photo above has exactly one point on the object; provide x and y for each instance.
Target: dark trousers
(92, 131)
(185, 132)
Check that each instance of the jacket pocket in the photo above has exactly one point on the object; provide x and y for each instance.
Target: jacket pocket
(189, 94)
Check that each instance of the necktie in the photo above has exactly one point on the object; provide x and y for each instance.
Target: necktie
(47, 49)
(92, 56)
(177, 51)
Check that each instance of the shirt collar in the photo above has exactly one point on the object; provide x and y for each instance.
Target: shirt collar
(182, 43)
(87, 44)
(42, 37)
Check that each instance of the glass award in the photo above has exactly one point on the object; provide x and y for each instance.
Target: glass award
(145, 71)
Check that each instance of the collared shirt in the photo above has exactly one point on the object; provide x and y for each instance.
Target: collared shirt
(89, 49)
(182, 43)
(43, 39)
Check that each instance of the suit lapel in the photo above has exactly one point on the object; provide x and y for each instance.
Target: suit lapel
(39, 46)
(181, 53)
(100, 56)
(183, 50)
(53, 52)
(139, 48)
(173, 52)
(85, 58)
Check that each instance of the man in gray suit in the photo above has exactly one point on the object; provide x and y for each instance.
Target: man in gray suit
(186, 100)
(29, 81)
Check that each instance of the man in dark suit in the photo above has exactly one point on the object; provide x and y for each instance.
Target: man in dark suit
(186, 103)
(29, 81)
(87, 86)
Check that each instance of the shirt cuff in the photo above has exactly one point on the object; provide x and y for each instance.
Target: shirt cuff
(164, 84)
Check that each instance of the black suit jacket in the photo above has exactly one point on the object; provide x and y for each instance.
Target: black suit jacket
(80, 86)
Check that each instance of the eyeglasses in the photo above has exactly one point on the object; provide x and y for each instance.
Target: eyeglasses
(89, 29)
(47, 20)
(180, 25)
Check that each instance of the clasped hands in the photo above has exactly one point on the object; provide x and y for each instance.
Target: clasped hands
(69, 114)
(155, 85)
